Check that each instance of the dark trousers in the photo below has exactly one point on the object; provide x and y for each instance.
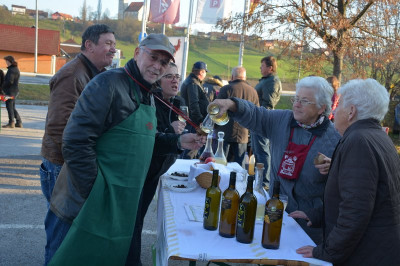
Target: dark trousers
(12, 112)
(234, 151)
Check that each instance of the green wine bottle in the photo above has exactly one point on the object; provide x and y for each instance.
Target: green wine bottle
(211, 206)
(246, 217)
(229, 208)
(272, 227)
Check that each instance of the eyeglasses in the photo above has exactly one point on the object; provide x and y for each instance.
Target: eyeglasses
(172, 76)
(303, 102)
(154, 58)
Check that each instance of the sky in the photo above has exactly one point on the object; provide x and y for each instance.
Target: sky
(73, 7)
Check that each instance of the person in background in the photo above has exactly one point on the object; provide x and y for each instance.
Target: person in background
(1, 81)
(167, 123)
(193, 92)
(361, 212)
(10, 88)
(212, 85)
(396, 122)
(236, 136)
(97, 52)
(297, 136)
(335, 98)
(107, 148)
(269, 91)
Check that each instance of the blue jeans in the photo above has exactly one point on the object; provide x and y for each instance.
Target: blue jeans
(56, 230)
(262, 154)
(48, 176)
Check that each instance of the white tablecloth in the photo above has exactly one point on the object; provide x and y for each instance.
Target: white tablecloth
(177, 236)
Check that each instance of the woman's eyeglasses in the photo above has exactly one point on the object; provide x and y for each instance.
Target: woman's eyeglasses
(172, 76)
(303, 102)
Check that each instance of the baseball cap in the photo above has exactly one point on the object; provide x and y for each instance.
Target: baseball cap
(159, 42)
(200, 65)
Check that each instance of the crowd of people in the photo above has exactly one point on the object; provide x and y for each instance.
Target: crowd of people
(110, 135)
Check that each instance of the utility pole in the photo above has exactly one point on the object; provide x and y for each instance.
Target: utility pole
(36, 37)
(241, 49)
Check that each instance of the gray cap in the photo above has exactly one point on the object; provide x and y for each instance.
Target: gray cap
(159, 42)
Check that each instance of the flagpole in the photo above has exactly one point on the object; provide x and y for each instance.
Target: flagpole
(241, 49)
(186, 49)
(144, 18)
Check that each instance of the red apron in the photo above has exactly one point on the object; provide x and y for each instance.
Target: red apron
(294, 158)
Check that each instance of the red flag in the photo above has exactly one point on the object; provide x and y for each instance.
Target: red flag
(164, 11)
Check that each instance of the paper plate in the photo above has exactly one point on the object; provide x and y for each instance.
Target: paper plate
(180, 186)
(178, 175)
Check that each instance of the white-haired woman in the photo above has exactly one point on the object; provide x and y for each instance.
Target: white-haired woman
(362, 200)
(296, 137)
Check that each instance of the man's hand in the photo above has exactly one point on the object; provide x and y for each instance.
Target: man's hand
(192, 141)
(225, 105)
(323, 163)
(300, 215)
(306, 251)
(178, 126)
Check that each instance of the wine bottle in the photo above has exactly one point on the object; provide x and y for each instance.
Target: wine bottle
(208, 152)
(259, 192)
(246, 214)
(272, 227)
(212, 202)
(219, 154)
(229, 208)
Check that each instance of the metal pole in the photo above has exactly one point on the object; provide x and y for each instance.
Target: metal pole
(300, 58)
(186, 51)
(144, 17)
(36, 37)
(163, 28)
(241, 49)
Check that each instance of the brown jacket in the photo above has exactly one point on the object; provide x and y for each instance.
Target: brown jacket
(242, 90)
(65, 88)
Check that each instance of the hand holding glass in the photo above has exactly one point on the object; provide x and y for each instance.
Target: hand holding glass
(185, 110)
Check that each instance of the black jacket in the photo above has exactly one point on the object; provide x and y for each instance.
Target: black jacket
(10, 85)
(362, 200)
(193, 93)
(107, 100)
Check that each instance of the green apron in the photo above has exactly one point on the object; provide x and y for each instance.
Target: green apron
(101, 233)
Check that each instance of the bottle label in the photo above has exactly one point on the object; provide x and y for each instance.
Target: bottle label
(207, 207)
(226, 204)
(241, 215)
(272, 214)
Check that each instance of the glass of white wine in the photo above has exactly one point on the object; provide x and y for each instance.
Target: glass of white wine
(185, 110)
(213, 110)
(207, 125)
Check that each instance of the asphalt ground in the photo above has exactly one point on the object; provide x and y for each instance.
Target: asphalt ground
(22, 204)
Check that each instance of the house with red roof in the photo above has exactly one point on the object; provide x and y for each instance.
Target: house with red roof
(19, 42)
(134, 10)
(61, 16)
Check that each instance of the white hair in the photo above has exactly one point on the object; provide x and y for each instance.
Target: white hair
(370, 98)
(323, 91)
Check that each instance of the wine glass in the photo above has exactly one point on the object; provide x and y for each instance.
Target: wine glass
(284, 199)
(207, 125)
(185, 110)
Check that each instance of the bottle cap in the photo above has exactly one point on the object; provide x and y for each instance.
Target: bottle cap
(221, 135)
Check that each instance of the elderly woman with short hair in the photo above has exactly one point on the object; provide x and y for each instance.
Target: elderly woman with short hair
(296, 136)
(361, 202)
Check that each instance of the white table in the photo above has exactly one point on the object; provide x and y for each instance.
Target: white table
(181, 239)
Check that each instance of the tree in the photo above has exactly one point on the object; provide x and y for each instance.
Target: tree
(84, 11)
(335, 23)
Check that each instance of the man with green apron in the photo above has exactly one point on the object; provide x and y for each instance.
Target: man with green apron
(107, 147)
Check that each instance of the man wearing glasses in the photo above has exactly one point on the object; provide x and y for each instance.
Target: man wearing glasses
(107, 147)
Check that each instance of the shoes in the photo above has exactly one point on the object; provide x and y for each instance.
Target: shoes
(9, 125)
(19, 125)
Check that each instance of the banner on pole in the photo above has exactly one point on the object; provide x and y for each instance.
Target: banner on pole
(209, 11)
(178, 43)
(164, 11)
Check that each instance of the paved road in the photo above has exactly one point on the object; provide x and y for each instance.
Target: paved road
(34, 79)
